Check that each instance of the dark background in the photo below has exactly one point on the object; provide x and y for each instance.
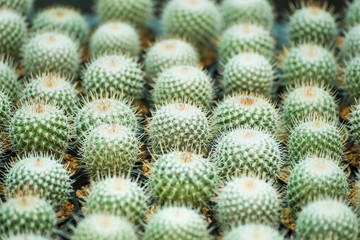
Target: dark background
(282, 6)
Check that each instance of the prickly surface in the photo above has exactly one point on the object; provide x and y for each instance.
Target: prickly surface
(253, 232)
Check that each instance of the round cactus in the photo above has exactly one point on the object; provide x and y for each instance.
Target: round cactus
(355, 123)
(351, 46)
(316, 135)
(110, 149)
(13, 32)
(40, 127)
(183, 178)
(62, 19)
(26, 214)
(40, 175)
(250, 72)
(136, 12)
(352, 14)
(327, 219)
(179, 126)
(21, 6)
(118, 196)
(186, 83)
(104, 227)
(115, 37)
(309, 62)
(312, 24)
(245, 109)
(167, 53)
(8, 78)
(247, 150)
(253, 232)
(198, 21)
(245, 38)
(105, 109)
(116, 74)
(51, 88)
(256, 11)
(352, 77)
(315, 178)
(248, 200)
(26, 237)
(5, 111)
(50, 52)
(176, 223)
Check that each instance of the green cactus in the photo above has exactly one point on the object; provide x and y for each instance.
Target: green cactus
(115, 37)
(8, 78)
(248, 200)
(253, 232)
(352, 77)
(179, 126)
(176, 223)
(250, 72)
(186, 83)
(21, 6)
(168, 53)
(13, 32)
(248, 151)
(351, 46)
(104, 227)
(183, 178)
(62, 19)
(198, 21)
(25, 215)
(26, 237)
(50, 52)
(352, 14)
(5, 111)
(355, 123)
(43, 176)
(118, 196)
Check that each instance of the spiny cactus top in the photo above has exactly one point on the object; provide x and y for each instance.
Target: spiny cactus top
(8, 78)
(183, 178)
(51, 52)
(351, 46)
(118, 196)
(176, 223)
(40, 175)
(253, 231)
(312, 24)
(167, 53)
(21, 6)
(248, 200)
(13, 32)
(184, 83)
(352, 15)
(198, 21)
(5, 111)
(29, 214)
(62, 19)
(26, 237)
(355, 122)
(115, 37)
(104, 227)
(309, 62)
(255, 11)
(135, 12)
(352, 77)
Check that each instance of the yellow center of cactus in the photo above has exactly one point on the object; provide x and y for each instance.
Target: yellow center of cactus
(113, 129)
(315, 10)
(246, 29)
(246, 101)
(51, 39)
(103, 106)
(250, 185)
(319, 165)
(59, 14)
(105, 222)
(169, 46)
(186, 157)
(180, 107)
(119, 185)
(113, 63)
(39, 108)
(309, 92)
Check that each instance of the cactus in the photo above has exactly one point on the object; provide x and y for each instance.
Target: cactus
(26, 214)
(352, 77)
(5, 111)
(253, 232)
(115, 37)
(250, 72)
(176, 223)
(50, 52)
(179, 126)
(62, 19)
(104, 227)
(52, 88)
(351, 46)
(352, 14)
(136, 12)
(309, 62)
(40, 127)
(248, 200)
(13, 32)
(114, 73)
(242, 109)
(43, 176)
(245, 37)
(312, 24)
(110, 149)
(315, 178)
(198, 21)
(167, 53)
(118, 196)
(327, 219)
(355, 123)
(21, 6)
(248, 151)
(183, 178)
(26, 237)
(8, 78)
(186, 83)
(257, 11)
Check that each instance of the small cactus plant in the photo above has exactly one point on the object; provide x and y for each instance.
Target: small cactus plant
(352, 14)
(183, 178)
(253, 231)
(352, 77)
(21, 6)
(176, 223)
(351, 46)
(8, 78)
(355, 123)
(5, 111)
(26, 237)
